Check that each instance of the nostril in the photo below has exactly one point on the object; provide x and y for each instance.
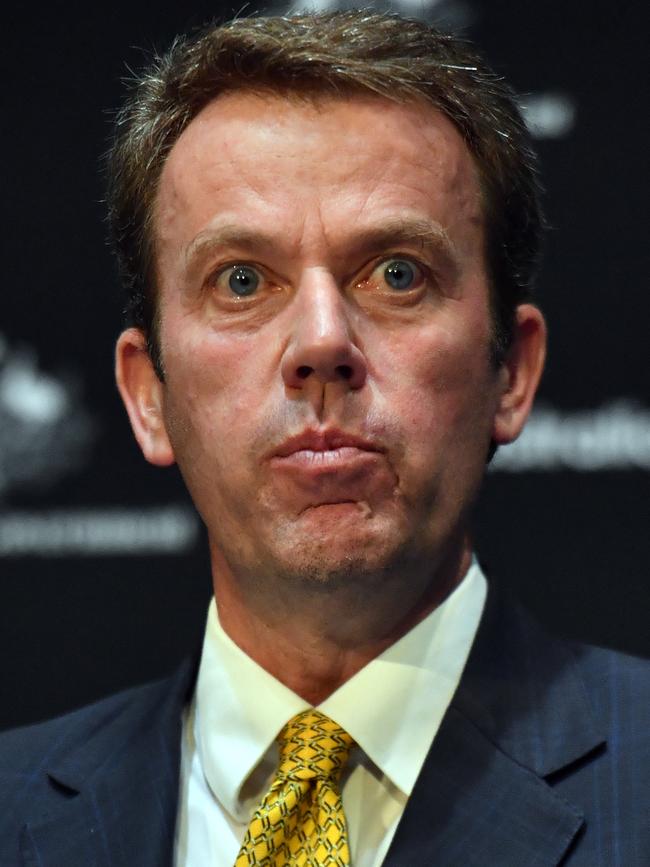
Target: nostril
(344, 371)
(324, 373)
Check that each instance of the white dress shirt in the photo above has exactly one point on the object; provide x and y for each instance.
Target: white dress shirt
(392, 708)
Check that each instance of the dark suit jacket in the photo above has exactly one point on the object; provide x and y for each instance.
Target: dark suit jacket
(542, 759)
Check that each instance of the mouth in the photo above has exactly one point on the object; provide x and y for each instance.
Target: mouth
(327, 447)
(326, 458)
(331, 468)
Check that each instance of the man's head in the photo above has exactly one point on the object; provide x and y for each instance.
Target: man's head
(328, 55)
(325, 320)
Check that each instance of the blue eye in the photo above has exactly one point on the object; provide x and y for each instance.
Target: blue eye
(243, 280)
(400, 274)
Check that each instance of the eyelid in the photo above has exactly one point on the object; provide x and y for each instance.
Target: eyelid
(215, 274)
(425, 270)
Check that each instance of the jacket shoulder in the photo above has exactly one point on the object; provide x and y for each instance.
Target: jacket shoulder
(74, 747)
(107, 771)
(617, 685)
(27, 746)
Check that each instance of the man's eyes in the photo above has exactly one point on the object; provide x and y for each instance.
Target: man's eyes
(397, 274)
(241, 281)
(238, 281)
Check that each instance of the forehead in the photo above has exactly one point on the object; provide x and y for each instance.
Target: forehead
(299, 162)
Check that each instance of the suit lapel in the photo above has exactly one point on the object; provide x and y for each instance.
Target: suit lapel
(117, 800)
(519, 716)
(473, 806)
(107, 825)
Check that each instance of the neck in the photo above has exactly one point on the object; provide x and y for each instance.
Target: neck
(314, 642)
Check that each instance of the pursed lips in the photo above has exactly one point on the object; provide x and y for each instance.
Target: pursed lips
(324, 450)
(331, 468)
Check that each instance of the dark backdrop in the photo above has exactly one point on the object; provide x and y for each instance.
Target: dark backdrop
(105, 579)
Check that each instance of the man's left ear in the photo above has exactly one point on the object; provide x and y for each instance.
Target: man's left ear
(520, 372)
(142, 393)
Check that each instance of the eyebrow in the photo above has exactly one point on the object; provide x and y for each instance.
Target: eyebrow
(421, 232)
(229, 235)
(424, 233)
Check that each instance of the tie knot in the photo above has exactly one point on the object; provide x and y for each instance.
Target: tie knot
(313, 746)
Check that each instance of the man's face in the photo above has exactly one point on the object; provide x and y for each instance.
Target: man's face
(325, 332)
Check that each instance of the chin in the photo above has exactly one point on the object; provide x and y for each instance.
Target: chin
(339, 555)
(331, 573)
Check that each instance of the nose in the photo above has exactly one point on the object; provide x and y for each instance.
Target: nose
(322, 348)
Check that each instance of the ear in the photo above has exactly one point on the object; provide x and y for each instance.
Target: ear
(142, 393)
(521, 372)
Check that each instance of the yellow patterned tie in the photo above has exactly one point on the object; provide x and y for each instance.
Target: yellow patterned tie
(301, 821)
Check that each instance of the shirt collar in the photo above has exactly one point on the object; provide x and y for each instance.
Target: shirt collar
(392, 707)
(239, 710)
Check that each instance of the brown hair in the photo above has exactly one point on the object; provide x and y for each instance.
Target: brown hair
(327, 54)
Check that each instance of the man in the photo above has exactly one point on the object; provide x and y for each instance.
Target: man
(328, 227)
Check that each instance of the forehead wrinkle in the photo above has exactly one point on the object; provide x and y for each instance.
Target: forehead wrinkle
(310, 230)
(246, 173)
(453, 172)
(179, 179)
(374, 183)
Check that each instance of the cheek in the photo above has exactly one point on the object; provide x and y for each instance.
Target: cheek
(206, 362)
(209, 387)
(443, 393)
